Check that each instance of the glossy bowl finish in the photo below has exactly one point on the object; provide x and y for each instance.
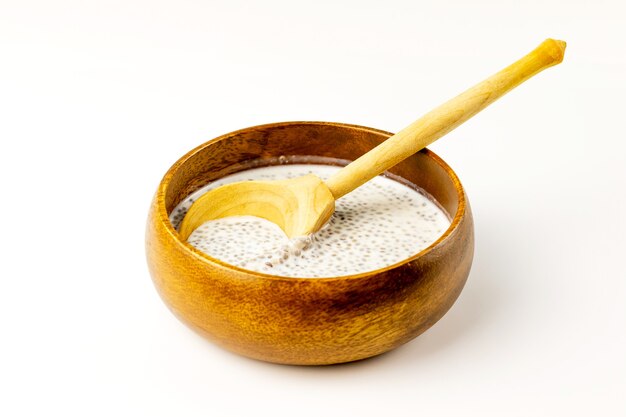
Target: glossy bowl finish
(307, 321)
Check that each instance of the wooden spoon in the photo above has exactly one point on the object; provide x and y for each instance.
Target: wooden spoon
(301, 206)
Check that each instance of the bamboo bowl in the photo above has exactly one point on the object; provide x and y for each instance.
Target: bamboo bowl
(307, 321)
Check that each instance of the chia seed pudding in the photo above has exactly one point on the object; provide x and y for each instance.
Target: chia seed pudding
(379, 224)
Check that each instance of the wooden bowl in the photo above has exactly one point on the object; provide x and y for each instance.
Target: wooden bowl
(307, 321)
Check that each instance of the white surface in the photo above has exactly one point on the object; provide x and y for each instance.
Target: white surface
(540, 327)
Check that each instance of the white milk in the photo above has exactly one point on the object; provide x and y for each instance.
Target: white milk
(378, 224)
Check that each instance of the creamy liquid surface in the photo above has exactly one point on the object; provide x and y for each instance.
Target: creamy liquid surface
(378, 224)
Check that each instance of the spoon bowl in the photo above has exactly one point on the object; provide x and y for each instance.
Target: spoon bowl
(298, 206)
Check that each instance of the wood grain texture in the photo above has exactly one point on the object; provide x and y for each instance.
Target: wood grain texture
(298, 320)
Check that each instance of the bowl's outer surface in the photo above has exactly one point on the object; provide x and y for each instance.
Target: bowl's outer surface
(299, 320)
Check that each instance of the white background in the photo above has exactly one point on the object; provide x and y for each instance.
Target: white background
(99, 98)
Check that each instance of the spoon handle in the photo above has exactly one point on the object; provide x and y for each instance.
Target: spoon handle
(444, 118)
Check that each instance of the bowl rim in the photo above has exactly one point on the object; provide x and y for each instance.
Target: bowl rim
(162, 216)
